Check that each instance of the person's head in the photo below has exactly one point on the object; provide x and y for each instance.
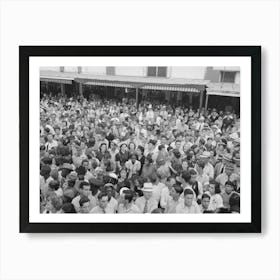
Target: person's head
(140, 150)
(109, 189)
(205, 201)
(193, 174)
(85, 164)
(157, 211)
(133, 158)
(229, 169)
(53, 185)
(131, 146)
(229, 187)
(123, 173)
(45, 171)
(148, 159)
(153, 178)
(188, 197)
(163, 140)
(127, 196)
(68, 207)
(54, 203)
(170, 181)
(147, 190)
(103, 199)
(50, 137)
(176, 191)
(84, 204)
(85, 189)
(178, 144)
(103, 148)
(123, 147)
(214, 187)
(234, 203)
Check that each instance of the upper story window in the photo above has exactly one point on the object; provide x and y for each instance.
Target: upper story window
(154, 71)
(227, 77)
(79, 69)
(110, 70)
(61, 68)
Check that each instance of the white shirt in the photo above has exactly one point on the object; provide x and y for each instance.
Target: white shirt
(216, 201)
(141, 201)
(209, 170)
(51, 145)
(183, 209)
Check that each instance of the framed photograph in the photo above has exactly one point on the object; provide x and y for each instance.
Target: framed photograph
(140, 130)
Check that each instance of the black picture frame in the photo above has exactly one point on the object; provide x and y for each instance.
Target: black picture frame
(25, 52)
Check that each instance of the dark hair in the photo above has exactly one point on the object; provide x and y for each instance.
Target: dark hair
(82, 184)
(149, 158)
(54, 185)
(161, 147)
(234, 202)
(68, 208)
(47, 160)
(83, 200)
(157, 211)
(169, 178)
(188, 191)
(186, 175)
(178, 189)
(101, 194)
(205, 195)
(141, 148)
(128, 195)
(153, 178)
(81, 170)
(232, 184)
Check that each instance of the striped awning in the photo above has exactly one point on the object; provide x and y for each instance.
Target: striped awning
(108, 84)
(57, 80)
(170, 88)
(146, 86)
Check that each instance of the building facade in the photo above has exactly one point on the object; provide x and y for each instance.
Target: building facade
(220, 82)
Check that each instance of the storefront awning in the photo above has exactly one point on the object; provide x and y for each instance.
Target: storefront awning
(230, 94)
(148, 83)
(59, 80)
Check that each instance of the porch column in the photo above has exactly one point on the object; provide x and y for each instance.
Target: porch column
(206, 101)
(81, 89)
(137, 98)
(190, 98)
(62, 89)
(200, 101)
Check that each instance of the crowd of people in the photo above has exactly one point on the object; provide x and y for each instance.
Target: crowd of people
(107, 156)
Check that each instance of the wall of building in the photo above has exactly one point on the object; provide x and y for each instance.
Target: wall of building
(94, 69)
(47, 68)
(187, 72)
(131, 70)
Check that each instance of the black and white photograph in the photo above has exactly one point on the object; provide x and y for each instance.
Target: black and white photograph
(116, 135)
(140, 140)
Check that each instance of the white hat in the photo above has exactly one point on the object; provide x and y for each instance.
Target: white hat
(148, 187)
(123, 189)
(205, 154)
(113, 175)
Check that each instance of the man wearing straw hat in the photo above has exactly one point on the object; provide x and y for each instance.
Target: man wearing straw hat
(146, 203)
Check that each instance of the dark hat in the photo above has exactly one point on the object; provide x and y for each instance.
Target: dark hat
(66, 166)
(176, 153)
